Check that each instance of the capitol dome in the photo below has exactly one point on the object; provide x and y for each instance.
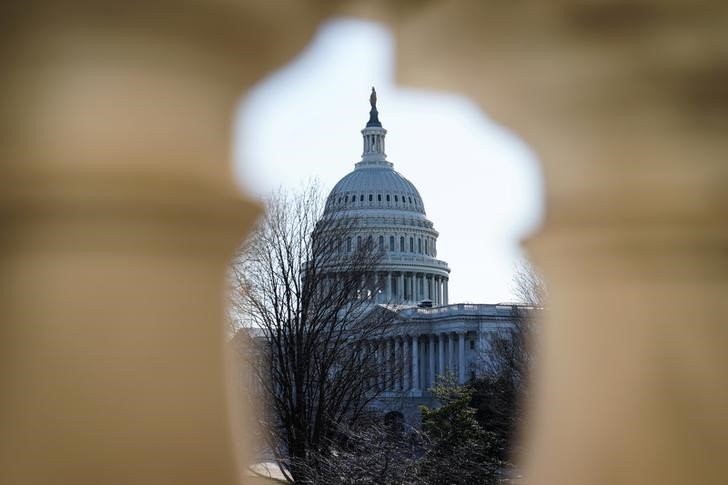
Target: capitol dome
(389, 210)
(388, 189)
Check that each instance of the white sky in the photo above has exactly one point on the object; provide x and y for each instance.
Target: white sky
(481, 185)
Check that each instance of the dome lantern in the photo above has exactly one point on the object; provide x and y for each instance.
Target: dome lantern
(373, 135)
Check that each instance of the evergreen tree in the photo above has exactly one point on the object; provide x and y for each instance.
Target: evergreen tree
(457, 449)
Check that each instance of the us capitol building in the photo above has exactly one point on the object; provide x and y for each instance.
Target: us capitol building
(431, 336)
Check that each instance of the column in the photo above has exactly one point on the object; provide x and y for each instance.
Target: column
(669, 222)
(446, 300)
(423, 365)
(438, 292)
(431, 358)
(428, 287)
(406, 363)
(388, 288)
(441, 354)
(400, 287)
(450, 353)
(415, 364)
(461, 357)
(411, 295)
(125, 136)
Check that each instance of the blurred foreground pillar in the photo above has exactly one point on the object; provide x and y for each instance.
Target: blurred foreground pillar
(627, 105)
(117, 218)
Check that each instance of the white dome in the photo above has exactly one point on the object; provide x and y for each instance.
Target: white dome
(374, 187)
(389, 211)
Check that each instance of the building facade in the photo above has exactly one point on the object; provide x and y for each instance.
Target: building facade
(430, 336)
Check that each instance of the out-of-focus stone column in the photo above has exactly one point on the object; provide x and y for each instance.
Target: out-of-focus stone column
(117, 219)
(626, 103)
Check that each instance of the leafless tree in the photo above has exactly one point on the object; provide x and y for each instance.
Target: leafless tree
(373, 452)
(507, 368)
(528, 286)
(303, 291)
(512, 353)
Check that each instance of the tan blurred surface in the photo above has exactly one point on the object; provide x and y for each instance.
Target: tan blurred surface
(627, 105)
(118, 218)
(118, 215)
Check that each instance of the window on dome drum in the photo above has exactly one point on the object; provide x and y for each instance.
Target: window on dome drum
(391, 243)
(338, 245)
(410, 199)
(358, 242)
(412, 245)
(361, 198)
(426, 252)
(371, 197)
(346, 199)
(396, 198)
(387, 197)
(401, 244)
(348, 244)
(381, 243)
(369, 242)
(419, 246)
(379, 197)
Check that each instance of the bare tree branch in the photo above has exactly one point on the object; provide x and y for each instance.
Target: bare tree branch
(303, 289)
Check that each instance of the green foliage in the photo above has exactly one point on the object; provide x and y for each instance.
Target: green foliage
(457, 448)
(496, 402)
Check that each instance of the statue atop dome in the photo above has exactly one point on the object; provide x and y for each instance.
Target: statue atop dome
(373, 114)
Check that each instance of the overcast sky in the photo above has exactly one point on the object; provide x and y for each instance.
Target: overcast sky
(481, 185)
